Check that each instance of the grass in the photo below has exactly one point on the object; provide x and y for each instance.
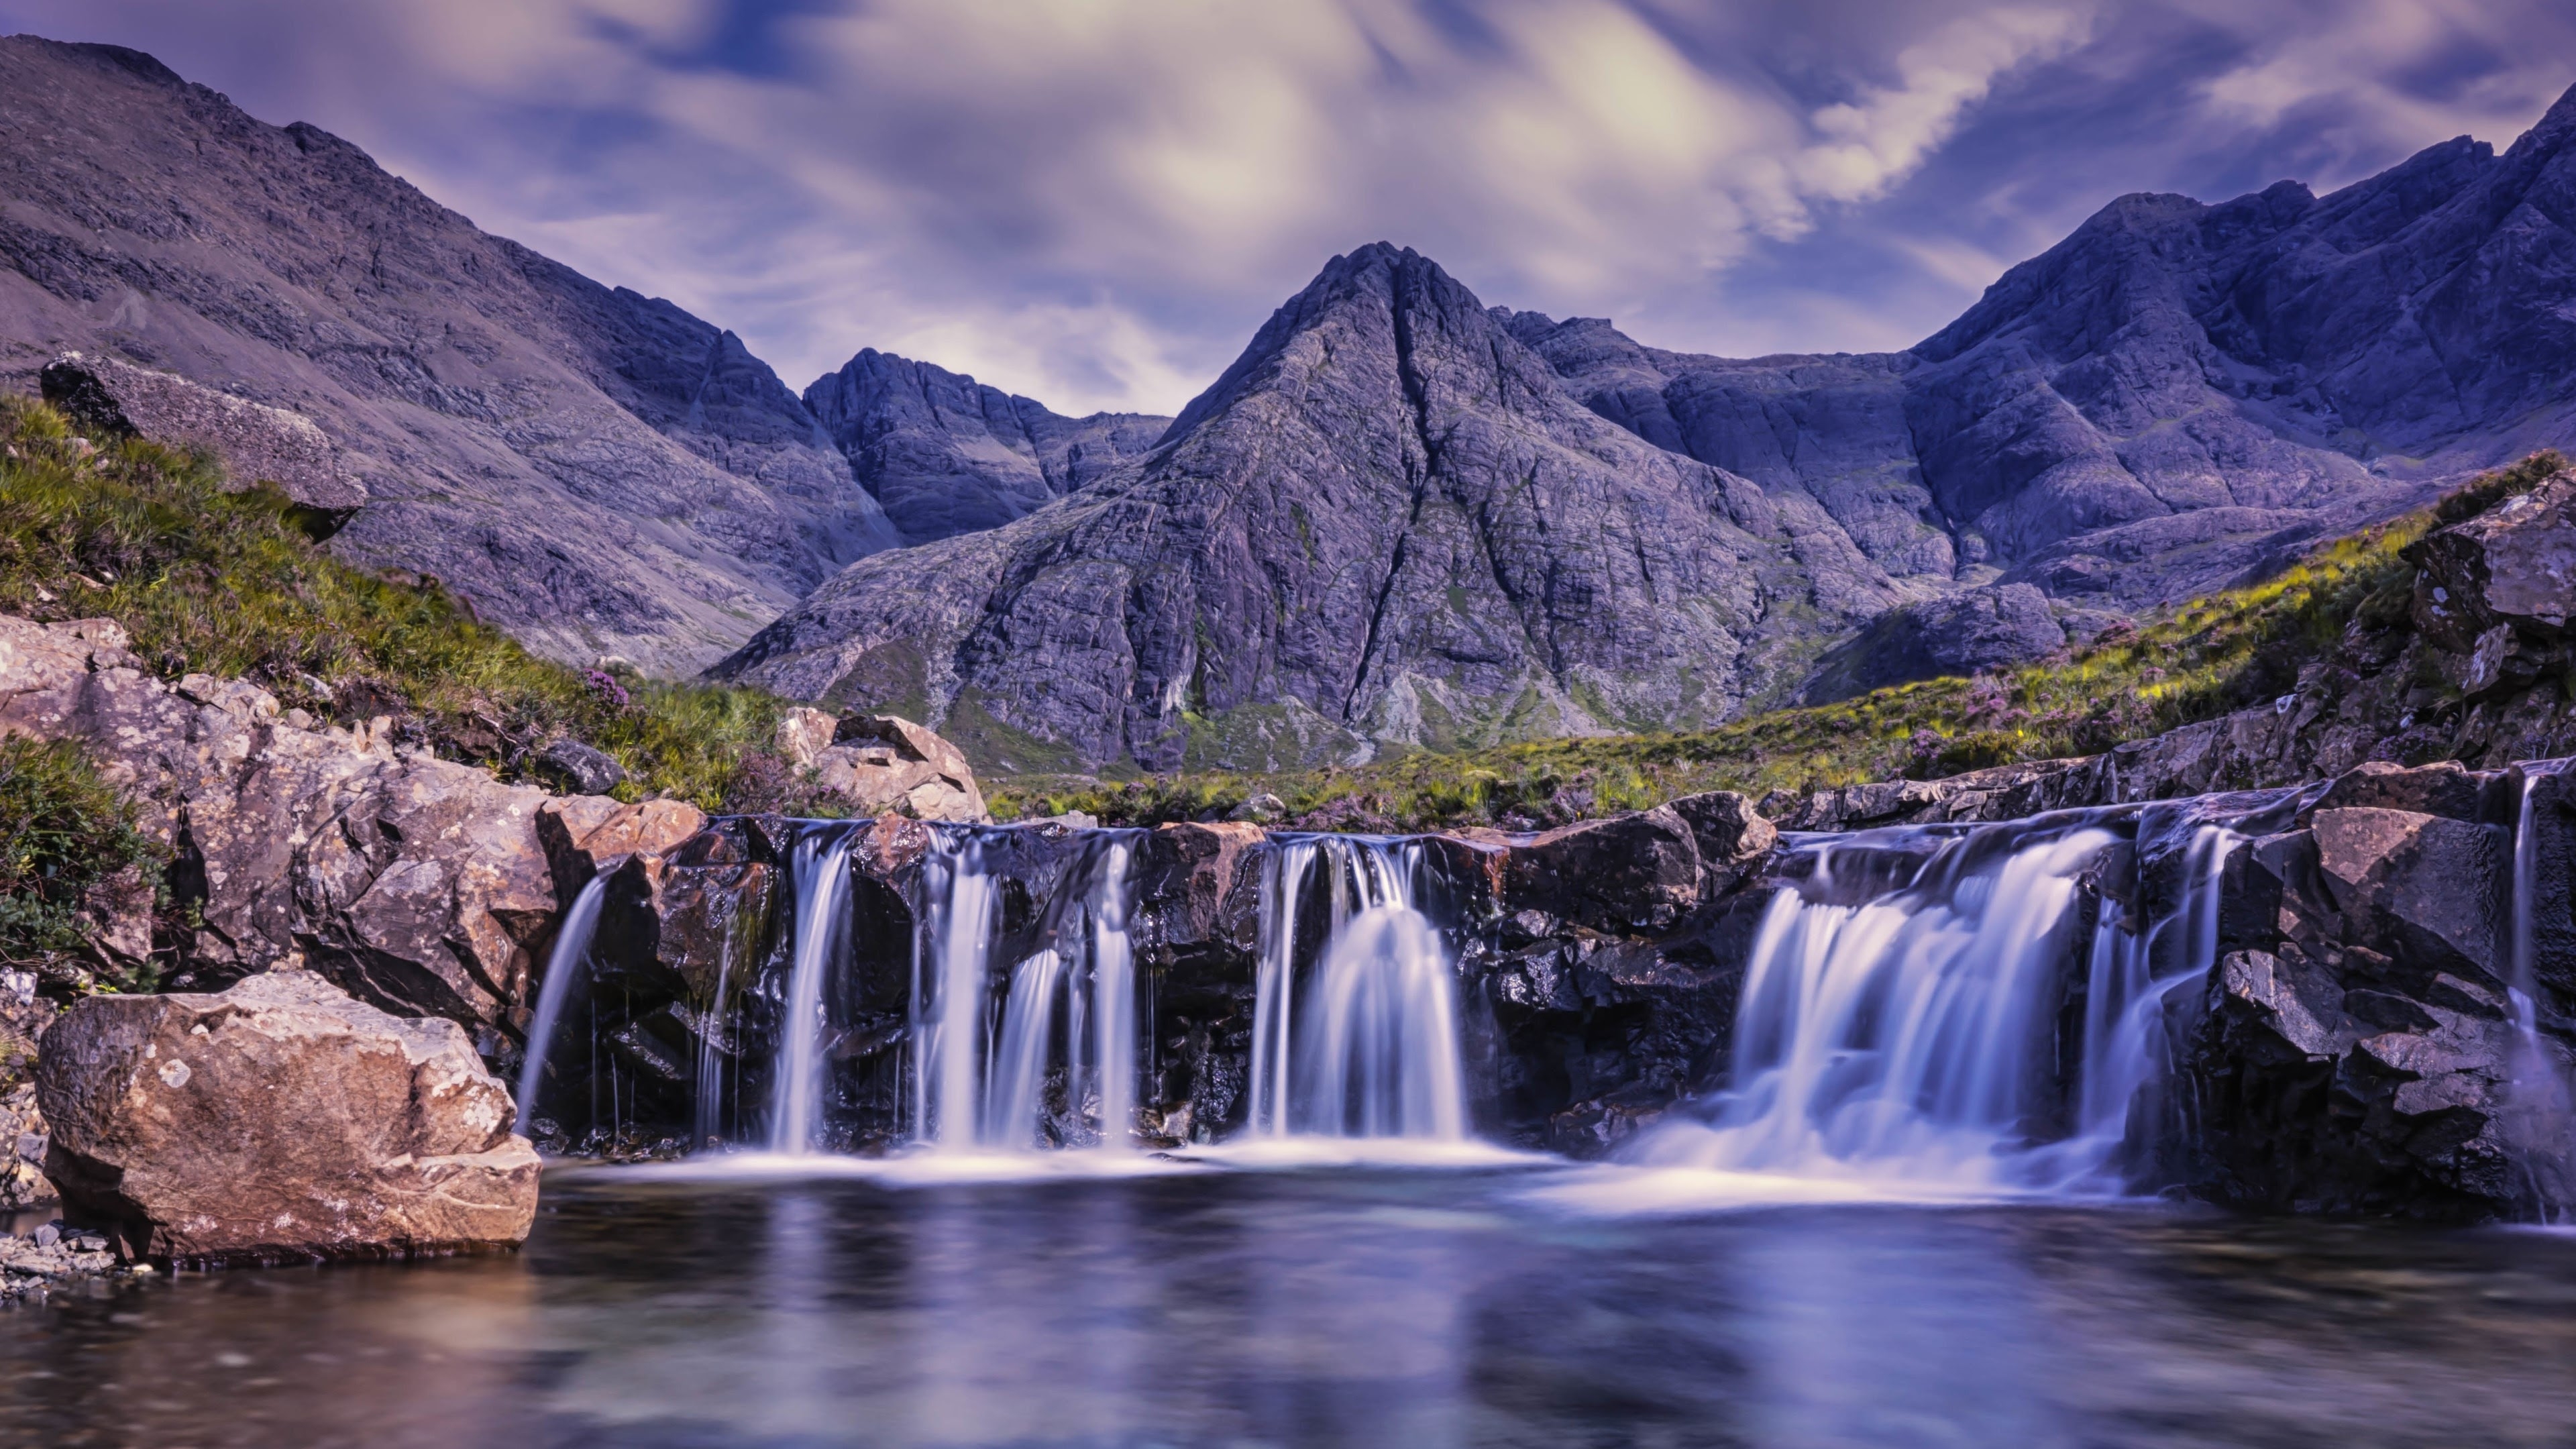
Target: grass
(2206, 658)
(219, 583)
(64, 833)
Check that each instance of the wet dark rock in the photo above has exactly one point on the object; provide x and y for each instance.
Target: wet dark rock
(1627, 873)
(2425, 890)
(260, 444)
(1961, 634)
(279, 1121)
(2321, 1093)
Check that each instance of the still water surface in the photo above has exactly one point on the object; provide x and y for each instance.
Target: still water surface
(1349, 1306)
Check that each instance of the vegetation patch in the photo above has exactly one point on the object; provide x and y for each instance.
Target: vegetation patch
(67, 839)
(206, 581)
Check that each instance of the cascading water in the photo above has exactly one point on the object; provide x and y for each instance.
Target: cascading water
(1367, 1044)
(821, 871)
(1067, 1008)
(1899, 1014)
(2540, 1122)
(563, 964)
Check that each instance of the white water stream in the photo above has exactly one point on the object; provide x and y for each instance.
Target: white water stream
(1906, 1036)
(1366, 1045)
(563, 964)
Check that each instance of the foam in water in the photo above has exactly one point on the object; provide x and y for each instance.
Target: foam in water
(1367, 1045)
(564, 963)
(1898, 1022)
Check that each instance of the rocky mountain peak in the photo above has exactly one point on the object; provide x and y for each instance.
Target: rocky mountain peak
(1386, 523)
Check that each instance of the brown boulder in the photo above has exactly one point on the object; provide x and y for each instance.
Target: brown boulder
(417, 883)
(279, 1121)
(885, 764)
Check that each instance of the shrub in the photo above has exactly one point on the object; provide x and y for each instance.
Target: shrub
(64, 834)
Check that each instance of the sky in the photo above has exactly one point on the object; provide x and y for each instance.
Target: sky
(1096, 202)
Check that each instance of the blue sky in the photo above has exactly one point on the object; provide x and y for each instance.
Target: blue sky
(1094, 202)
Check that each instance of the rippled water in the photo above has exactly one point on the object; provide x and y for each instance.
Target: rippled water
(1347, 1306)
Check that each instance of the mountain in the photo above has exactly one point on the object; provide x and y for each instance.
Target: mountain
(1387, 523)
(596, 470)
(2175, 395)
(947, 455)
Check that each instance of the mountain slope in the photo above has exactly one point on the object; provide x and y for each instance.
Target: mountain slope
(597, 471)
(1387, 523)
(947, 455)
(2174, 395)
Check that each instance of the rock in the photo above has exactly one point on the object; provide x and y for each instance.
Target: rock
(584, 834)
(1730, 835)
(2321, 1090)
(259, 444)
(416, 883)
(2428, 891)
(589, 771)
(2445, 788)
(805, 733)
(1371, 528)
(883, 763)
(2512, 567)
(22, 1150)
(1628, 873)
(946, 455)
(280, 1121)
(1262, 809)
(1960, 634)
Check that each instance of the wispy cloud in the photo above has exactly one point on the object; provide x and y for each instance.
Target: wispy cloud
(1094, 203)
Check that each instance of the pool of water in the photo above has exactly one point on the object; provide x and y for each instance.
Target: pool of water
(1338, 1305)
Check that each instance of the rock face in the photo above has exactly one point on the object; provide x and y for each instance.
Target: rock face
(947, 455)
(280, 1121)
(2174, 394)
(1381, 524)
(598, 471)
(261, 444)
(1966, 633)
(416, 884)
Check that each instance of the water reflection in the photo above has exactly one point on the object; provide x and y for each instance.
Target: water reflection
(1329, 1307)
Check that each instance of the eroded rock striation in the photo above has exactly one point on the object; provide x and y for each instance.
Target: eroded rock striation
(280, 1121)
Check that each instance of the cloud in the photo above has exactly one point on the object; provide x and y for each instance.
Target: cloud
(1095, 201)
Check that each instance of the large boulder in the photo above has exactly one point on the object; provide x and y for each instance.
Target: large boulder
(886, 764)
(1629, 873)
(2513, 565)
(279, 1121)
(263, 444)
(2427, 891)
(416, 883)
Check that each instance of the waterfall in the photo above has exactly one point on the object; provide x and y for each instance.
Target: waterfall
(563, 963)
(2540, 1119)
(1368, 1045)
(1065, 1032)
(1899, 1017)
(821, 871)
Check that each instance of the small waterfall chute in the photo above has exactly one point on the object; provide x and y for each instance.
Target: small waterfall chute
(1901, 1007)
(2540, 1105)
(820, 868)
(1364, 1044)
(566, 963)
